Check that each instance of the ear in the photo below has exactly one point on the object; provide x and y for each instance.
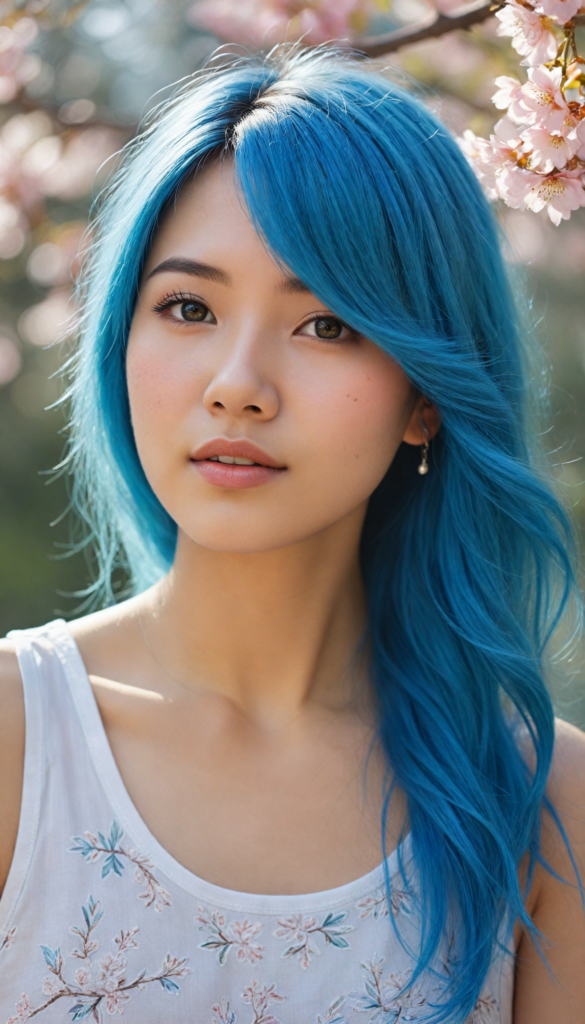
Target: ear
(423, 423)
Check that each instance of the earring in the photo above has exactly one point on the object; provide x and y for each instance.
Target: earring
(424, 464)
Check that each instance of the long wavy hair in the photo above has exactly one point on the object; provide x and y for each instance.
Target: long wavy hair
(358, 190)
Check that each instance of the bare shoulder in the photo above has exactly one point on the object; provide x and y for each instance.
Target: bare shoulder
(556, 991)
(12, 730)
(110, 641)
(569, 758)
(566, 784)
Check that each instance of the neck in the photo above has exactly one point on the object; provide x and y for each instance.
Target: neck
(273, 630)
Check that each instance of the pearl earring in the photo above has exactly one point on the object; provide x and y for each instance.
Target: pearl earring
(424, 464)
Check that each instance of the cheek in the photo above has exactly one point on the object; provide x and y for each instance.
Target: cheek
(160, 394)
(359, 423)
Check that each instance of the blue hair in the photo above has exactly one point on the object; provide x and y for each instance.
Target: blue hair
(358, 190)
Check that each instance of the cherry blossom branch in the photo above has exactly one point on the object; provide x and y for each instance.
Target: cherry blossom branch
(432, 28)
(436, 25)
(535, 158)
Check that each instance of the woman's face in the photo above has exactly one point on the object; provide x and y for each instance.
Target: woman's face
(230, 358)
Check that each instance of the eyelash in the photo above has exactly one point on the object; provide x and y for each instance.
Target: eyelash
(174, 298)
(353, 335)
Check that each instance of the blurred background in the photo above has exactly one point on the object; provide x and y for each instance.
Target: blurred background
(75, 81)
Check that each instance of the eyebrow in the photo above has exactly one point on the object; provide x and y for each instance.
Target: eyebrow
(182, 265)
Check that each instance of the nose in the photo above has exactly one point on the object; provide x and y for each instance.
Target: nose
(240, 388)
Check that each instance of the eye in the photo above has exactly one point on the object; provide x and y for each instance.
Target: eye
(327, 328)
(186, 309)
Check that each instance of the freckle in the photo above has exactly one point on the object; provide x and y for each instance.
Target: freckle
(355, 399)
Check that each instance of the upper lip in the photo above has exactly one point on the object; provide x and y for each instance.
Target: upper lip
(237, 449)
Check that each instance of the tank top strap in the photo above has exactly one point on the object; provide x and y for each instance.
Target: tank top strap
(54, 678)
(30, 660)
(59, 776)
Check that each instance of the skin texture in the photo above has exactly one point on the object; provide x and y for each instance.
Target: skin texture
(230, 694)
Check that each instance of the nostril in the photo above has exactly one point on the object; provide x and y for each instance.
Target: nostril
(218, 405)
(254, 408)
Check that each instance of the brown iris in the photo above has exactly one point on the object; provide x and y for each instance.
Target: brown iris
(328, 327)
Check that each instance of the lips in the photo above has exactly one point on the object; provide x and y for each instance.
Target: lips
(243, 463)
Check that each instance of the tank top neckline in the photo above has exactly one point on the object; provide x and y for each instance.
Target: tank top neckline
(134, 825)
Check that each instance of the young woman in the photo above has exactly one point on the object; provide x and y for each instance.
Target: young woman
(309, 772)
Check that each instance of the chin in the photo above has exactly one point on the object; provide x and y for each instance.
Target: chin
(237, 537)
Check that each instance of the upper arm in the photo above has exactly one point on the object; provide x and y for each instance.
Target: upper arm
(556, 907)
(12, 729)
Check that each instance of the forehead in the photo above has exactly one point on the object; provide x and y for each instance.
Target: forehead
(208, 218)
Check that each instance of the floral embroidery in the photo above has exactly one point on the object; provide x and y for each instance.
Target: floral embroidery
(110, 988)
(8, 939)
(333, 1016)
(485, 1011)
(387, 1001)
(298, 931)
(401, 902)
(259, 1000)
(223, 936)
(114, 854)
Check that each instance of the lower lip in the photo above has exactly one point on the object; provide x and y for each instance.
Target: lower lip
(223, 474)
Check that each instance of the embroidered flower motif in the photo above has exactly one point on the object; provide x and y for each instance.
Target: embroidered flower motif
(100, 984)
(401, 902)
(223, 936)
(387, 1001)
(485, 1011)
(223, 1012)
(299, 930)
(258, 998)
(8, 939)
(23, 1010)
(114, 854)
(333, 1016)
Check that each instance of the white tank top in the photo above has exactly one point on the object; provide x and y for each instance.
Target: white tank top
(97, 918)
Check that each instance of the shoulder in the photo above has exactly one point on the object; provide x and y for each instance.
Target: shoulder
(566, 782)
(12, 731)
(566, 792)
(554, 989)
(568, 767)
(110, 640)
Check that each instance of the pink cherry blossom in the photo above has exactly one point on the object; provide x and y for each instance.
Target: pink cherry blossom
(514, 183)
(562, 10)
(532, 35)
(17, 67)
(260, 21)
(543, 97)
(448, 6)
(580, 139)
(509, 97)
(549, 150)
(560, 194)
(489, 157)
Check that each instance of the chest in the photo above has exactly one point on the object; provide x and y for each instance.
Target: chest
(220, 796)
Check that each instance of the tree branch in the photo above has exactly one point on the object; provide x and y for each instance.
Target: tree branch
(434, 26)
